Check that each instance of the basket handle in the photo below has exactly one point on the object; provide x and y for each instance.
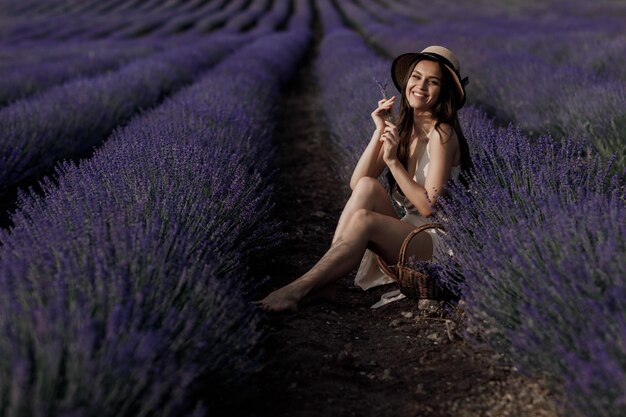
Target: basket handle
(414, 233)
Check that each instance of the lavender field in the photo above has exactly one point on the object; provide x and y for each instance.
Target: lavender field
(138, 160)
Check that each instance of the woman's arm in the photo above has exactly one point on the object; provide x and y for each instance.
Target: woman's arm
(371, 163)
(442, 145)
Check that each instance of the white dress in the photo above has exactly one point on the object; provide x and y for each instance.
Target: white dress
(368, 274)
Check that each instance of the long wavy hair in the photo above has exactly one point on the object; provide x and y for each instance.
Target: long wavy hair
(444, 111)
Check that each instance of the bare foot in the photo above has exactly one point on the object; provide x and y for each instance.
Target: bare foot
(287, 298)
(278, 301)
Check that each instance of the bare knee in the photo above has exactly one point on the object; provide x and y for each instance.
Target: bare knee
(361, 220)
(368, 186)
(357, 225)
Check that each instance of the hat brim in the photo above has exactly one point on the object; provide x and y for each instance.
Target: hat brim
(402, 64)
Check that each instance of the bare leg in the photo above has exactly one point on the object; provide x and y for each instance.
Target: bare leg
(361, 230)
(368, 194)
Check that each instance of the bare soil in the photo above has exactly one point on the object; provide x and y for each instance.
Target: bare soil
(343, 358)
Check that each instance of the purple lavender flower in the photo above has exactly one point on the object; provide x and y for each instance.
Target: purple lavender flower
(382, 88)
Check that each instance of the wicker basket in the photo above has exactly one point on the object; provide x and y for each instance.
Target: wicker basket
(413, 284)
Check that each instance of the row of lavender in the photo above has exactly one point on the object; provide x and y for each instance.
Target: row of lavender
(28, 71)
(539, 243)
(34, 67)
(122, 287)
(561, 75)
(29, 8)
(126, 20)
(349, 121)
(538, 238)
(69, 120)
(54, 20)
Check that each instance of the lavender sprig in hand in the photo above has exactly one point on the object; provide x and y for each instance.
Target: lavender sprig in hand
(383, 91)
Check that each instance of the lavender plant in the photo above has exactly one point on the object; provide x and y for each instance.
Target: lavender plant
(238, 22)
(329, 17)
(277, 16)
(595, 375)
(123, 20)
(171, 20)
(122, 286)
(301, 16)
(20, 81)
(70, 120)
(378, 12)
(248, 17)
(27, 56)
(126, 307)
(530, 262)
(187, 21)
(220, 17)
(349, 121)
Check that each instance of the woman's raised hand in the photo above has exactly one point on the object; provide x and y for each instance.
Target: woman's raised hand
(390, 140)
(379, 115)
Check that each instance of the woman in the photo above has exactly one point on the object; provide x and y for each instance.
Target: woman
(422, 152)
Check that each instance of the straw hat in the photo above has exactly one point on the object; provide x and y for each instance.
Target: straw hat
(401, 65)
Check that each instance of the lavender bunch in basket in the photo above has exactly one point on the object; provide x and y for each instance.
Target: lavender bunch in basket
(419, 279)
(434, 270)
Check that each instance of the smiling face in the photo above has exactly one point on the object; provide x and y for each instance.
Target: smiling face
(424, 85)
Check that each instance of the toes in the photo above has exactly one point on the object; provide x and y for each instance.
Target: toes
(275, 306)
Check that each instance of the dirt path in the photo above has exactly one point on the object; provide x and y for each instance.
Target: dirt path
(345, 359)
